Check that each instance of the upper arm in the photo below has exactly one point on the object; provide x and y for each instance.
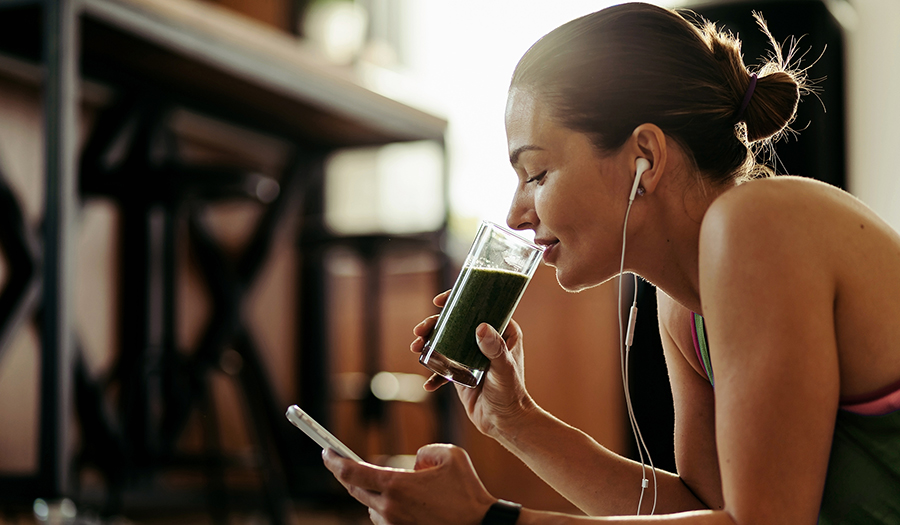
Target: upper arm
(692, 395)
(768, 300)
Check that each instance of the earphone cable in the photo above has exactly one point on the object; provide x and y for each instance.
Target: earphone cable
(637, 428)
(624, 350)
(623, 361)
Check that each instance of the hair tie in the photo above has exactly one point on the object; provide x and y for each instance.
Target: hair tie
(747, 96)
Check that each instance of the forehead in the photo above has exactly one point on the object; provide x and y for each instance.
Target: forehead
(524, 111)
(531, 125)
(527, 119)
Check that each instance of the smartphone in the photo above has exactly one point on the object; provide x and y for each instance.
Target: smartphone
(317, 432)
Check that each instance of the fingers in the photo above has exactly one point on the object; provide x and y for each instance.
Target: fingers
(376, 518)
(434, 382)
(361, 480)
(443, 485)
(441, 299)
(348, 473)
(434, 455)
(513, 338)
(425, 327)
(503, 370)
(512, 329)
(489, 341)
(422, 330)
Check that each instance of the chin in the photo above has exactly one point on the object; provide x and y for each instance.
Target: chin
(571, 284)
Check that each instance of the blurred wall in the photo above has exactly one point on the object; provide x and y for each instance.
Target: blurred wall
(873, 102)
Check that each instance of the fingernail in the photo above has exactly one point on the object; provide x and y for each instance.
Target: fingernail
(481, 332)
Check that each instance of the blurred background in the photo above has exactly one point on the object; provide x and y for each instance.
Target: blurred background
(213, 209)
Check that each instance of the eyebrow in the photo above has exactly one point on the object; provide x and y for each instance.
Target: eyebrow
(514, 156)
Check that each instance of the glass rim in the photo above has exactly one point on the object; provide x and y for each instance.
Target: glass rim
(513, 233)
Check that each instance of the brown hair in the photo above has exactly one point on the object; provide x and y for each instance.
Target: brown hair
(606, 73)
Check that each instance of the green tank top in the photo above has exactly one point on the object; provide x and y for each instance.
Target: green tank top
(862, 485)
(863, 481)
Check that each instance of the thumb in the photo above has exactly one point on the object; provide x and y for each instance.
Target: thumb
(432, 455)
(489, 341)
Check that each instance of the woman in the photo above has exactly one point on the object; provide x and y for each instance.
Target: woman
(786, 406)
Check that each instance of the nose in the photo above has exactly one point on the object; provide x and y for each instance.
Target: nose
(521, 214)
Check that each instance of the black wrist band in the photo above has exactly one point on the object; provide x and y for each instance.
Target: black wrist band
(502, 513)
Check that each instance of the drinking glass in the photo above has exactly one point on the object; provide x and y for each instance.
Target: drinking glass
(496, 271)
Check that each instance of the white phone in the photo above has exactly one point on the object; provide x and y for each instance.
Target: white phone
(317, 432)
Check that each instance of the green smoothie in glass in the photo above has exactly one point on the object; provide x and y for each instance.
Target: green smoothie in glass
(490, 285)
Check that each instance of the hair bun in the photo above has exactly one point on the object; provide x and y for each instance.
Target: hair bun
(772, 105)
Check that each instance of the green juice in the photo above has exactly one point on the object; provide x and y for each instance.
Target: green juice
(480, 295)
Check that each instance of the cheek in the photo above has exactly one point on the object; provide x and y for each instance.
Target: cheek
(567, 213)
(550, 204)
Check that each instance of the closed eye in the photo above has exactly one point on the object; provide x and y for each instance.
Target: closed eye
(536, 178)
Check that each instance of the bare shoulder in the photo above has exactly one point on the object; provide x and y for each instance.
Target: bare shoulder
(807, 249)
(785, 216)
(781, 202)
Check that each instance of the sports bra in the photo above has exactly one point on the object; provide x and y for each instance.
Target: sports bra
(862, 484)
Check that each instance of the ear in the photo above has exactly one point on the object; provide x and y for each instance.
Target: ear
(648, 141)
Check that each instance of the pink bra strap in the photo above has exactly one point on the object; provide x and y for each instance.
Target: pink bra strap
(878, 403)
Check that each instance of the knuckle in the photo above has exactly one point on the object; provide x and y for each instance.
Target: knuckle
(390, 487)
(391, 512)
(354, 491)
(341, 471)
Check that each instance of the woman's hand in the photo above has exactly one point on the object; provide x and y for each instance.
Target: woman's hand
(443, 488)
(422, 331)
(501, 399)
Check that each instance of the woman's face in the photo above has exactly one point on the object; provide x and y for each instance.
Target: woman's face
(573, 197)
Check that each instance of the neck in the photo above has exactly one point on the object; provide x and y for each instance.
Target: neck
(666, 242)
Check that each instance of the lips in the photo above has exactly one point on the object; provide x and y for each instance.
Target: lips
(549, 248)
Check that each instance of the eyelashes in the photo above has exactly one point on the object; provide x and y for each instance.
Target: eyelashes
(536, 178)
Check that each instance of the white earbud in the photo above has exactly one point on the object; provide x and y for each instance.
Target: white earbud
(642, 166)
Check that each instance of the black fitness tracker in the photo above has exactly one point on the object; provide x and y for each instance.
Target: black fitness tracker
(502, 513)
